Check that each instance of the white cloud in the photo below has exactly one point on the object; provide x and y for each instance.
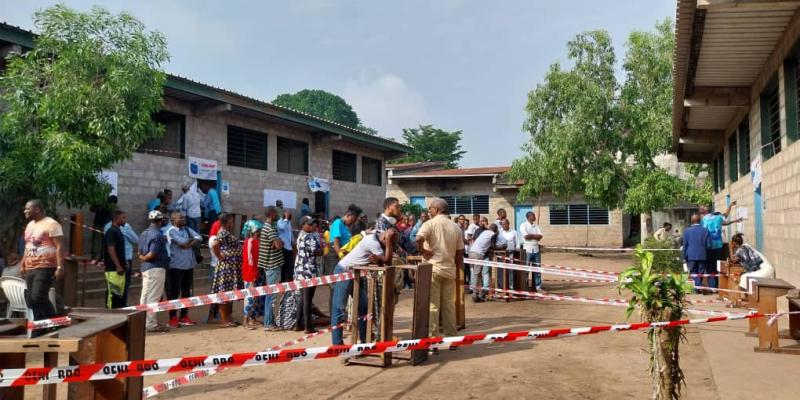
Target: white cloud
(385, 102)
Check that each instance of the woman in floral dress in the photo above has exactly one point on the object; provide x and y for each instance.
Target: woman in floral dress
(305, 267)
(228, 274)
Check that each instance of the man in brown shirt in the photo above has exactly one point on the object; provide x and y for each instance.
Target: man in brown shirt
(440, 242)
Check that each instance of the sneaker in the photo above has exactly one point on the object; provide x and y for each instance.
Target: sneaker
(185, 321)
(539, 288)
(173, 323)
(158, 329)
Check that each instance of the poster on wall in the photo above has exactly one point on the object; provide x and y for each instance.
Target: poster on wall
(319, 184)
(755, 172)
(200, 168)
(226, 188)
(111, 178)
(289, 199)
(741, 213)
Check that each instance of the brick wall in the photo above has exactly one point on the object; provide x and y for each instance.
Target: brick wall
(610, 235)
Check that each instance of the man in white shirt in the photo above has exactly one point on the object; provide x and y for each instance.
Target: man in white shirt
(189, 206)
(531, 235)
(506, 240)
(480, 250)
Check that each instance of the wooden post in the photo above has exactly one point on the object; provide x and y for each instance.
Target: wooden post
(354, 311)
(723, 279)
(461, 315)
(76, 234)
(420, 324)
(50, 391)
(387, 311)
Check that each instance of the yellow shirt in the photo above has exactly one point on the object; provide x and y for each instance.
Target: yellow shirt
(443, 238)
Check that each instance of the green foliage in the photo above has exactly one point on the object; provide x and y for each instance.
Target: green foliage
(77, 103)
(591, 135)
(659, 297)
(410, 208)
(663, 261)
(433, 144)
(322, 104)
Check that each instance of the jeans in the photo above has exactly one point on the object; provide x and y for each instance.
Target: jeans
(697, 267)
(714, 255)
(535, 259)
(152, 288)
(179, 285)
(341, 290)
(478, 289)
(272, 276)
(39, 282)
(193, 223)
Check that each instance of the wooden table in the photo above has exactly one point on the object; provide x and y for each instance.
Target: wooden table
(768, 291)
(729, 275)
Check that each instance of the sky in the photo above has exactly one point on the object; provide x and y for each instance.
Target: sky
(456, 64)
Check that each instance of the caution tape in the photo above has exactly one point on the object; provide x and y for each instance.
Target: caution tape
(586, 300)
(49, 323)
(126, 369)
(239, 294)
(619, 249)
(530, 268)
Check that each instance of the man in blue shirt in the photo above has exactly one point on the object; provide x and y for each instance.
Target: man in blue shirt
(182, 240)
(696, 241)
(714, 222)
(154, 263)
(131, 238)
(211, 204)
(285, 234)
(339, 236)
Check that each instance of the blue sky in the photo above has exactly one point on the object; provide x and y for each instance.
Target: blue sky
(456, 64)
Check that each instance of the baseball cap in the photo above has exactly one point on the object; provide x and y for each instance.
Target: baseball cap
(155, 215)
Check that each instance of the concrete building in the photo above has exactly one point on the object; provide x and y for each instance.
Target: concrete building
(484, 191)
(253, 146)
(735, 106)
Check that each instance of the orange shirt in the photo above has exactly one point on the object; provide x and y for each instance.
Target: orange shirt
(40, 250)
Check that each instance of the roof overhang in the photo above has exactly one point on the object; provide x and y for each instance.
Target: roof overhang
(725, 53)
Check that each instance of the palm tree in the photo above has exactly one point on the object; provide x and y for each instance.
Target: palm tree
(659, 297)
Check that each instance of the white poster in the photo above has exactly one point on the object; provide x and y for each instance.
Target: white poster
(755, 172)
(226, 188)
(201, 168)
(741, 213)
(111, 178)
(289, 199)
(319, 184)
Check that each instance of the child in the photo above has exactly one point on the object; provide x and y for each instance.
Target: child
(250, 274)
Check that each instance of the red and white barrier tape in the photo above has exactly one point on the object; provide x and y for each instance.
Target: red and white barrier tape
(621, 249)
(224, 297)
(719, 289)
(580, 280)
(780, 314)
(85, 261)
(558, 297)
(49, 323)
(498, 264)
(87, 227)
(124, 369)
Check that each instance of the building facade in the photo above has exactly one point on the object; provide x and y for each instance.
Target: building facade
(735, 107)
(261, 151)
(483, 191)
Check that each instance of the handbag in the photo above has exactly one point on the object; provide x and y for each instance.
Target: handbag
(198, 256)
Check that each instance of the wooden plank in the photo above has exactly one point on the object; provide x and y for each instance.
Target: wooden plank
(38, 345)
(111, 347)
(387, 311)
(49, 392)
(354, 310)
(136, 346)
(420, 319)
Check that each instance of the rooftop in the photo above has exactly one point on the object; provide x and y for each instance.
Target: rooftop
(457, 173)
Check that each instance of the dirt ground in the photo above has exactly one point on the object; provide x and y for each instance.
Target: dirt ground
(602, 366)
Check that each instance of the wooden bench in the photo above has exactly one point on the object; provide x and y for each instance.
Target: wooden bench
(767, 291)
(729, 275)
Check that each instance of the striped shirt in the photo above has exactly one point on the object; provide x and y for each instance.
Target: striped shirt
(268, 256)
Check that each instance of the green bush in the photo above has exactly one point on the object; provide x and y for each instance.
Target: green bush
(664, 261)
(409, 208)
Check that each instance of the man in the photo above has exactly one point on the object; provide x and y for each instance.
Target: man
(479, 250)
(696, 242)
(168, 200)
(423, 218)
(501, 215)
(506, 240)
(476, 223)
(113, 258)
(43, 260)
(131, 238)
(154, 262)
(531, 235)
(270, 260)
(440, 242)
(189, 206)
(664, 234)
(102, 216)
(154, 204)
(211, 204)
(375, 248)
(182, 261)
(714, 223)
(339, 231)
(285, 234)
(279, 207)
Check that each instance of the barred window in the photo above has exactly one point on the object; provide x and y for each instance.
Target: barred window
(344, 166)
(770, 119)
(371, 171)
(292, 156)
(173, 142)
(247, 148)
(733, 164)
(578, 214)
(744, 147)
(470, 204)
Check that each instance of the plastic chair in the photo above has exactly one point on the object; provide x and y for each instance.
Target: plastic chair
(14, 288)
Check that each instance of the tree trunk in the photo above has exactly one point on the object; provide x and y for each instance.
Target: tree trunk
(647, 225)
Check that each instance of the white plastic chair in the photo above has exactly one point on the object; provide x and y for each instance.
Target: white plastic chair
(14, 288)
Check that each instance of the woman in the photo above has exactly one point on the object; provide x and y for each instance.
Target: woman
(228, 274)
(305, 267)
(753, 262)
(250, 275)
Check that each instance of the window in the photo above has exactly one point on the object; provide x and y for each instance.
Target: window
(721, 170)
(791, 87)
(733, 165)
(770, 120)
(292, 156)
(578, 214)
(173, 143)
(715, 175)
(744, 147)
(371, 171)
(471, 204)
(247, 148)
(344, 166)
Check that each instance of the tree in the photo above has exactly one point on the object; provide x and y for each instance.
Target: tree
(321, 104)
(659, 295)
(77, 103)
(433, 144)
(591, 135)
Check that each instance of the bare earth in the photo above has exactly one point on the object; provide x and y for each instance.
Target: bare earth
(717, 358)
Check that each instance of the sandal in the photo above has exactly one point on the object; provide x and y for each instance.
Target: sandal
(230, 324)
(272, 328)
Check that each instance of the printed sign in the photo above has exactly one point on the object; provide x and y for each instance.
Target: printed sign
(111, 178)
(319, 184)
(755, 172)
(289, 199)
(201, 168)
(226, 188)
